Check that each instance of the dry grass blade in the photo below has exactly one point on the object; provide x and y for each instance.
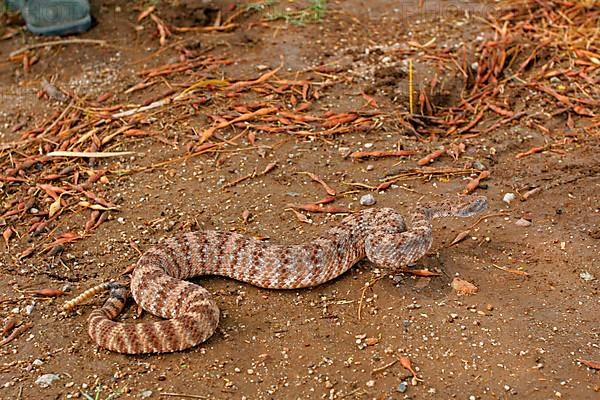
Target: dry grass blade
(511, 270)
(91, 154)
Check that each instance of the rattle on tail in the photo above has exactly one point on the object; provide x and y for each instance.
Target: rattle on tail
(191, 315)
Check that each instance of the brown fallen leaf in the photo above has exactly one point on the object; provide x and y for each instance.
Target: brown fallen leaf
(474, 183)
(460, 237)
(8, 232)
(318, 179)
(531, 151)
(589, 363)
(463, 287)
(46, 292)
(301, 217)
(406, 363)
(9, 324)
(16, 333)
(430, 157)
(245, 216)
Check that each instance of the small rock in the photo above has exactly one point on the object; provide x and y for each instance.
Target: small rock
(46, 380)
(29, 309)
(37, 362)
(370, 167)
(145, 394)
(523, 222)
(368, 145)
(508, 197)
(478, 165)
(367, 200)
(370, 383)
(121, 220)
(371, 341)
(586, 276)
(402, 387)
(463, 287)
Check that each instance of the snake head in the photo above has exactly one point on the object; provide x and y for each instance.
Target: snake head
(470, 205)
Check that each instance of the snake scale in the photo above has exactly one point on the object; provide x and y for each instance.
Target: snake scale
(190, 314)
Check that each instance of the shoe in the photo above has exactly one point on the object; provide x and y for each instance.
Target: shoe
(54, 17)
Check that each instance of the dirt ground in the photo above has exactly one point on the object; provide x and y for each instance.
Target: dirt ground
(535, 261)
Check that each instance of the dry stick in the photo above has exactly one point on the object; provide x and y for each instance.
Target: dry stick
(239, 180)
(511, 270)
(188, 396)
(16, 333)
(207, 134)
(91, 154)
(486, 217)
(362, 294)
(384, 367)
(330, 191)
(397, 153)
(57, 43)
(410, 86)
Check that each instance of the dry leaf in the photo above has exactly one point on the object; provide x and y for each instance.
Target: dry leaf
(406, 363)
(460, 237)
(54, 207)
(301, 217)
(46, 292)
(8, 232)
(590, 364)
(463, 287)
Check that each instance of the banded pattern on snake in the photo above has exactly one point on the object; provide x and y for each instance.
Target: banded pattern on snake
(191, 315)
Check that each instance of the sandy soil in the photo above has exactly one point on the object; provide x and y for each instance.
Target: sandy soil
(521, 336)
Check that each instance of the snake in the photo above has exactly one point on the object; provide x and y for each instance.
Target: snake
(189, 313)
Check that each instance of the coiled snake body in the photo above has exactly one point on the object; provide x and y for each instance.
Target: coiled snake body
(191, 315)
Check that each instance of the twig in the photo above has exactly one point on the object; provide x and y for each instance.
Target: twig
(91, 154)
(368, 285)
(187, 396)
(384, 367)
(17, 332)
(511, 270)
(57, 43)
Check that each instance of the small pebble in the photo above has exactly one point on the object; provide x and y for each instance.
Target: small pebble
(145, 394)
(370, 167)
(523, 222)
(29, 309)
(479, 166)
(367, 200)
(370, 383)
(402, 387)
(586, 276)
(508, 197)
(46, 380)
